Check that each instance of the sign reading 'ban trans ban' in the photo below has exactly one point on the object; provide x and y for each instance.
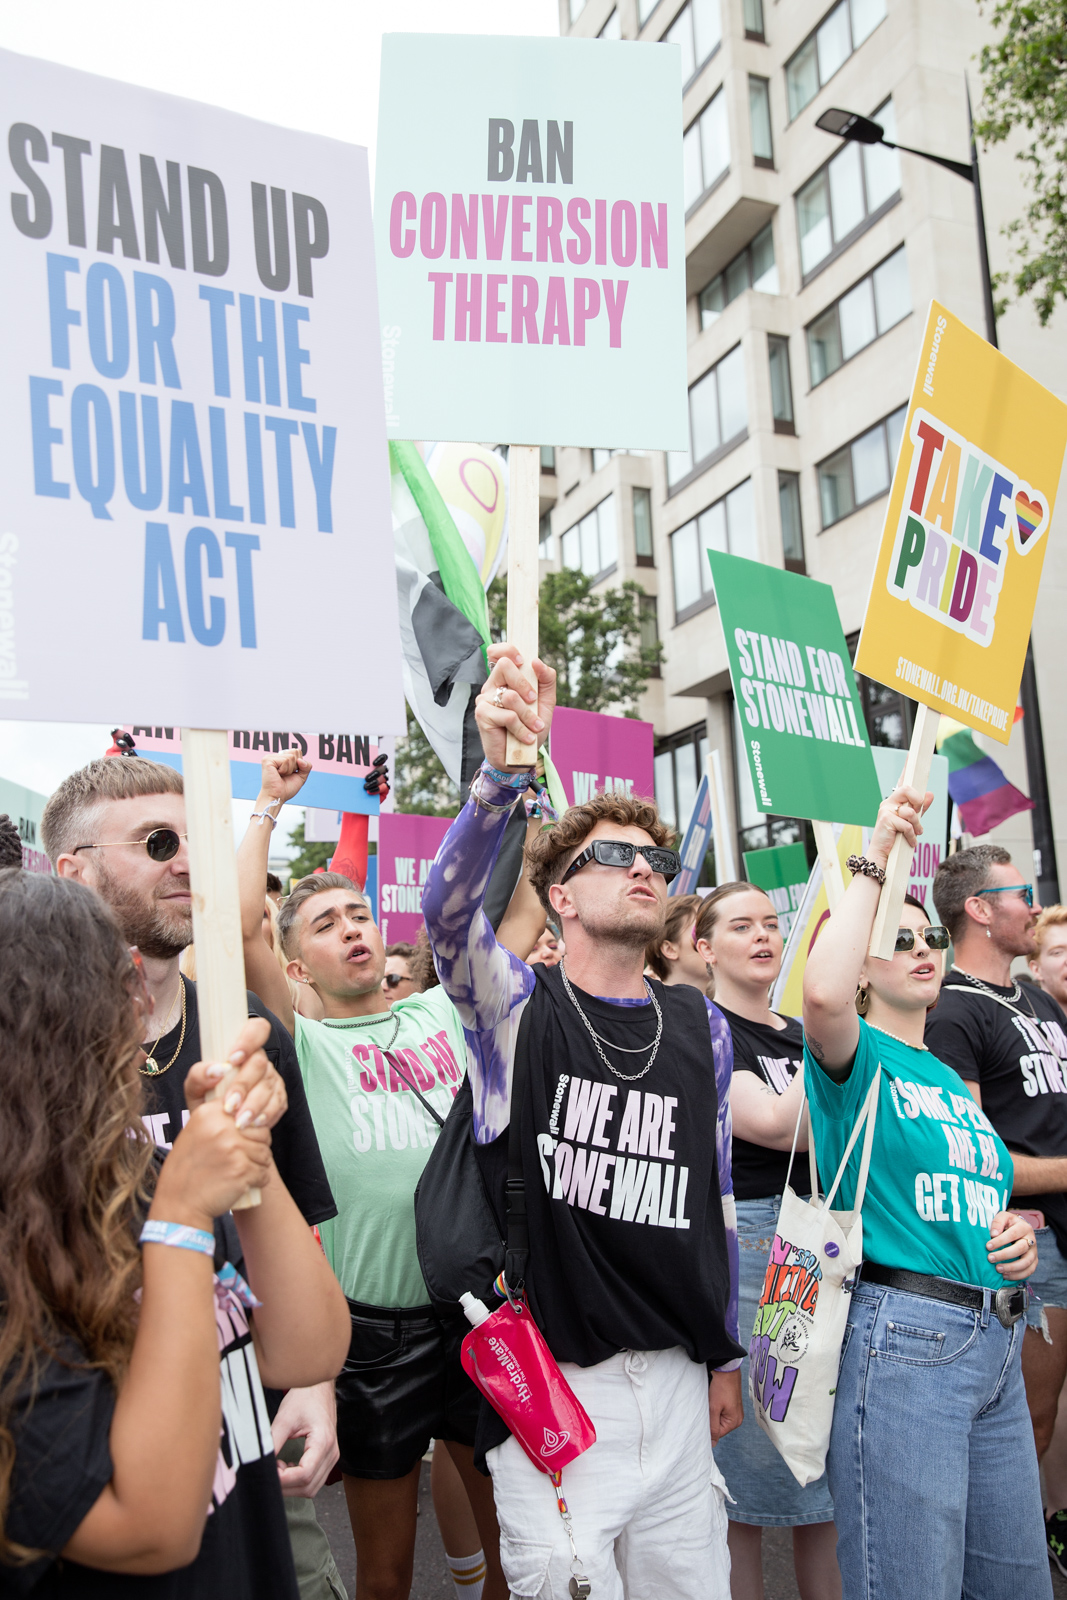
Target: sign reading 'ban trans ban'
(960, 560)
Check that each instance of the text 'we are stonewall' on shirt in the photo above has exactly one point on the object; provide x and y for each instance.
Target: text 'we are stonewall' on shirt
(775, 1056)
(1016, 1052)
(939, 1174)
(376, 1136)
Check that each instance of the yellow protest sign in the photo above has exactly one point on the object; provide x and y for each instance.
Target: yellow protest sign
(959, 564)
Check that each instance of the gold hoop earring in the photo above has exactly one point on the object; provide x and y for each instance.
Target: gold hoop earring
(863, 1000)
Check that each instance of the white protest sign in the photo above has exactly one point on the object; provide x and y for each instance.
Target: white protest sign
(531, 240)
(193, 445)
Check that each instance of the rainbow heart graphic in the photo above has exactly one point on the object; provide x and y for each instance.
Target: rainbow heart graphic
(1030, 515)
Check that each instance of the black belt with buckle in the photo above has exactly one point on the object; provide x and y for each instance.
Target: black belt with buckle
(1009, 1304)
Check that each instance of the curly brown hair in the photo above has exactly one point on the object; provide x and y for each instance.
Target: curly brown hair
(74, 1156)
(550, 853)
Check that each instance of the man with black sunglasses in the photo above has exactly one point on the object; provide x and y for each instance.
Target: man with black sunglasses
(1010, 1042)
(624, 1130)
(118, 826)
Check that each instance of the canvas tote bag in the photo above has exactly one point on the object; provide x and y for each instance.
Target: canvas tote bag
(796, 1341)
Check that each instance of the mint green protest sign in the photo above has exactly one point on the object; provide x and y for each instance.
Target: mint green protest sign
(530, 240)
(805, 736)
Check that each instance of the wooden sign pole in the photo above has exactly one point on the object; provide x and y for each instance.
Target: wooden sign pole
(829, 860)
(220, 968)
(898, 867)
(524, 486)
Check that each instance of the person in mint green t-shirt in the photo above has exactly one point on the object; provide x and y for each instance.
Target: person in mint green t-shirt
(930, 1419)
(378, 1077)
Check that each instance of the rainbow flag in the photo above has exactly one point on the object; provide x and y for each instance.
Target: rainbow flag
(975, 782)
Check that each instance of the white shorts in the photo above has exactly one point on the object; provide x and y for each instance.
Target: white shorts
(646, 1501)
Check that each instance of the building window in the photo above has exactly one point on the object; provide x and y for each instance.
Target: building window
(875, 304)
(792, 527)
(612, 29)
(860, 471)
(889, 716)
(697, 29)
(576, 9)
(753, 14)
(836, 203)
(647, 610)
(839, 33)
(759, 112)
(679, 764)
(548, 458)
(544, 538)
(718, 416)
(730, 525)
(643, 527)
(705, 150)
(781, 384)
(590, 545)
(645, 9)
(753, 268)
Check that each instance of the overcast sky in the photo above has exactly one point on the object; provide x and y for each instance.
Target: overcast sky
(313, 66)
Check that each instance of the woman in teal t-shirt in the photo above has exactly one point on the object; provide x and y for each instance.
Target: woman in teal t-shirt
(932, 1464)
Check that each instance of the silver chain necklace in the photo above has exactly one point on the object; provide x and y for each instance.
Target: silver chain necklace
(1014, 998)
(626, 1049)
(369, 1022)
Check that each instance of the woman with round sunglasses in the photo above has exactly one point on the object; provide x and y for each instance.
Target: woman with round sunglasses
(737, 934)
(931, 1462)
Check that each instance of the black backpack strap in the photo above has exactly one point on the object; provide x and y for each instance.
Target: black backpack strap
(517, 1249)
(436, 1115)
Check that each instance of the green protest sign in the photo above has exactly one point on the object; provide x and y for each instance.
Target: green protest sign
(805, 737)
(782, 872)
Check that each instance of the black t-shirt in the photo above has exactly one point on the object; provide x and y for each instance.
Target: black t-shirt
(63, 1462)
(627, 1238)
(775, 1056)
(1016, 1052)
(293, 1141)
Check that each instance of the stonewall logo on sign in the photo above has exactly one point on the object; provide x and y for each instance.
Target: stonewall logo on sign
(959, 565)
(963, 512)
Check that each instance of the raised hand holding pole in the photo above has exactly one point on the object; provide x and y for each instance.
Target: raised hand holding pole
(898, 867)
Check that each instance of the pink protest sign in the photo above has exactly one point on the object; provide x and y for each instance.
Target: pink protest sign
(406, 849)
(339, 761)
(593, 752)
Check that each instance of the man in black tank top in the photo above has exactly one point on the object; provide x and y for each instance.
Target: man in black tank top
(625, 1135)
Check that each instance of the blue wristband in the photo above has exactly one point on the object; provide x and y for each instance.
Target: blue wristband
(509, 780)
(176, 1233)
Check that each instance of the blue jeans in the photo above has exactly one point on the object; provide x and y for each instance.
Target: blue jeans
(932, 1464)
(763, 1491)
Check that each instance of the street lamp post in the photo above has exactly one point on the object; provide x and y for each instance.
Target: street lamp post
(864, 130)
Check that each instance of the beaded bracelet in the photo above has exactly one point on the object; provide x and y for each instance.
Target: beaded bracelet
(869, 869)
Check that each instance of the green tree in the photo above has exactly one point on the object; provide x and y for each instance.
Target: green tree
(420, 782)
(594, 643)
(1025, 88)
(309, 855)
(592, 640)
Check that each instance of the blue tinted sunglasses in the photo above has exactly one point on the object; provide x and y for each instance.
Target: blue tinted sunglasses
(1025, 889)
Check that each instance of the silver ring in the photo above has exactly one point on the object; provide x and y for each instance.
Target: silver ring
(498, 698)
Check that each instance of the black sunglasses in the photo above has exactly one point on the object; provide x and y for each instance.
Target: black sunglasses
(932, 938)
(393, 980)
(616, 853)
(162, 844)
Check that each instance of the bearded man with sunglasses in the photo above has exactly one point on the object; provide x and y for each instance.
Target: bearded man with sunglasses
(118, 826)
(1010, 1042)
(624, 1126)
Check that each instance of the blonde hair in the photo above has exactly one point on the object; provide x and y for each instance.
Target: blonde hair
(1051, 917)
(69, 815)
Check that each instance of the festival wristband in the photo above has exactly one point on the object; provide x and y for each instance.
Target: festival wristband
(509, 780)
(176, 1233)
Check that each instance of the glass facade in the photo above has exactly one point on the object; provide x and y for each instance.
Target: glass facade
(852, 186)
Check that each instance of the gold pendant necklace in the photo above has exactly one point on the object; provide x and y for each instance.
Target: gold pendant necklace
(152, 1068)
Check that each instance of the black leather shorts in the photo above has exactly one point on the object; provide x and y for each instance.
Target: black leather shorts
(401, 1386)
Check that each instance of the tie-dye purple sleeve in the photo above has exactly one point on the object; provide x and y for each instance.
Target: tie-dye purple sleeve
(722, 1045)
(486, 983)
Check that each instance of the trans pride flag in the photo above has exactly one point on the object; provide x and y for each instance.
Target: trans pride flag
(975, 782)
